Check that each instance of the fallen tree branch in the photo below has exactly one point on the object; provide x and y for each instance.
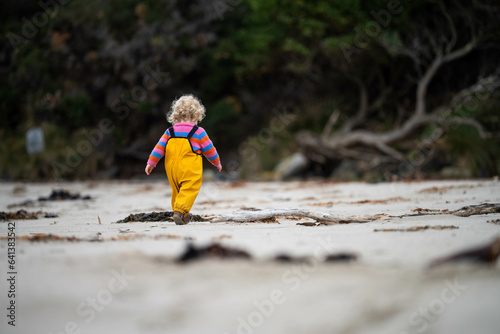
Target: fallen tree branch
(246, 216)
(480, 209)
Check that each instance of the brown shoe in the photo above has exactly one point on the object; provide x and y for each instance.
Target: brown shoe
(187, 218)
(178, 218)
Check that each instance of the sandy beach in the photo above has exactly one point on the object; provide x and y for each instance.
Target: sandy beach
(123, 278)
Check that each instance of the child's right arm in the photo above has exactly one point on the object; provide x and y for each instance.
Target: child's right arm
(157, 153)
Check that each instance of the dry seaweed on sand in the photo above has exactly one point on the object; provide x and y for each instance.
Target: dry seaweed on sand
(23, 214)
(487, 254)
(335, 257)
(341, 257)
(62, 194)
(37, 237)
(214, 250)
(418, 228)
(55, 195)
(164, 216)
(494, 221)
(443, 189)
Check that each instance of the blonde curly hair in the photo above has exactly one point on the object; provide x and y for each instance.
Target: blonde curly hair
(187, 108)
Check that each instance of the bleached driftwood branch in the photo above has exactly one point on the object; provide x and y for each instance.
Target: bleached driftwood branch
(245, 216)
(248, 215)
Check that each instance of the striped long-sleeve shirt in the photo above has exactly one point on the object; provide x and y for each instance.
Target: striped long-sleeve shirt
(200, 142)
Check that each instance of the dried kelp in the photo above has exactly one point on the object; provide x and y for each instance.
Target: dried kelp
(214, 251)
(55, 195)
(443, 189)
(341, 257)
(45, 237)
(61, 195)
(418, 228)
(97, 237)
(23, 214)
(336, 257)
(484, 254)
(164, 216)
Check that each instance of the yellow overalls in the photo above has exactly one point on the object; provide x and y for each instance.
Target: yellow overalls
(184, 170)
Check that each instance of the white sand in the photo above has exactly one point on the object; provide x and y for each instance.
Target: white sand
(388, 290)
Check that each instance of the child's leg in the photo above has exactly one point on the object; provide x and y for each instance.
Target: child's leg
(187, 194)
(175, 190)
(171, 168)
(190, 172)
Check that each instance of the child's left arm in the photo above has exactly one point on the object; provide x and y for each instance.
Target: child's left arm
(209, 151)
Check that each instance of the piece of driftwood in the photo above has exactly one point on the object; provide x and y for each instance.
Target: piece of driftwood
(255, 215)
(246, 216)
(480, 209)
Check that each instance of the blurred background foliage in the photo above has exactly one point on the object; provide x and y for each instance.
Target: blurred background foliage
(68, 67)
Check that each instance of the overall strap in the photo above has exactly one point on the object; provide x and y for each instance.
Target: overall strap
(193, 130)
(171, 131)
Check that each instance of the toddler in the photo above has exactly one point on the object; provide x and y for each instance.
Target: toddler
(182, 144)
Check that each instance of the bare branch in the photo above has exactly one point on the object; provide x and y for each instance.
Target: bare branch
(424, 83)
(453, 30)
(245, 216)
(459, 53)
(465, 121)
(332, 120)
(390, 151)
(362, 108)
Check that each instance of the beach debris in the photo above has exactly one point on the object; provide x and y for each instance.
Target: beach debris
(443, 189)
(18, 190)
(249, 209)
(420, 210)
(222, 236)
(271, 220)
(366, 201)
(93, 237)
(483, 254)
(23, 214)
(214, 250)
(382, 201)
(341, 257)
(325, 203)
(55, 195)
(336, 257)
(125, 230)
(494, 221)
(308, 224)
(247, 216)
(292, 218)
(163, 216)
(38, 237)
(418, 228)
(480, 209)
(291, 259)
(99, 220)
(27, 203)
(61, 195)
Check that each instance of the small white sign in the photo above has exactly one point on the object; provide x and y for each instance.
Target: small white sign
(34, 141)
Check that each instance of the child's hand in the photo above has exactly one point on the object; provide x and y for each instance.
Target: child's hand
(219, 167)
(149, 169)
